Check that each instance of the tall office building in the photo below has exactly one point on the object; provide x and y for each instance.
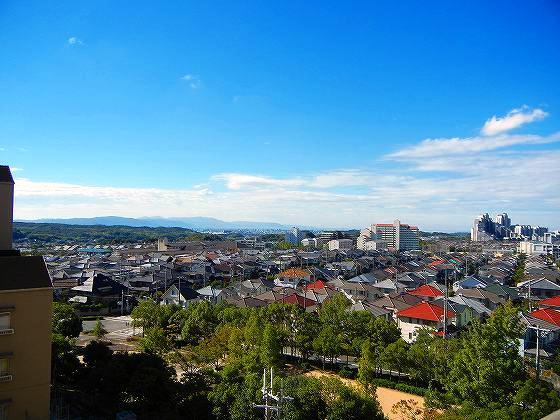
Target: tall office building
(294, 236)
(397, 235)
(503, 220)
(25, 322)
(483, 229)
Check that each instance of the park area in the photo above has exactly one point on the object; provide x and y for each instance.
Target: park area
(387, 397)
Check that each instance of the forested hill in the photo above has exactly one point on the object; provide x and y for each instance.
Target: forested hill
(57, 232)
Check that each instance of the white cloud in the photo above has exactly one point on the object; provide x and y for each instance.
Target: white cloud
(237, 181)
(438, 184)
(192, 80)
(514, 119)
(75, 41)
(431, 148)
(513, 182)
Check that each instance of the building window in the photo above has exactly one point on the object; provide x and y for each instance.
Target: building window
(410, 336)
(4, 367)
(5, 321)
(173, 292)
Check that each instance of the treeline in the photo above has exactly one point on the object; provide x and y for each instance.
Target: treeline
(223, 349)
(100, 234)
(477, 375)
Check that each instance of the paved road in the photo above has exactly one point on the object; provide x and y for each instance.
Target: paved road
(118, 328)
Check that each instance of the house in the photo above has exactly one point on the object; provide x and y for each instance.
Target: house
(246, 302)
(424, 315)
(180, 294)
(505, 292)
(211, 294)
(426, 292)
(478, 309)
(389, 286)
(553, 302)
(541, 288)
(364, 278)
(469, 282)
(549, 334)
(395, 302)
(358, 291)
(98, 285)
(487, 298)
(292, 277)
(374, 310)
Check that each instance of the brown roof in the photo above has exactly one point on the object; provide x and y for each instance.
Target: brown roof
(294, 273)
(23, 273)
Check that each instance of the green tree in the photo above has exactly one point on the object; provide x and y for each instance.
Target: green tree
(65, 320)
(200, 321)
(488, 364)
(155, 341)
(421, 357)
(395, 356)
(98, 330)
(213, 349)
(271, 349)
(344, 402)
(328, 343)
(65, 364)
(147, 314)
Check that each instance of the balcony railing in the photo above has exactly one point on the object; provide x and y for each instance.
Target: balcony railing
(5, 378)
(6, 331)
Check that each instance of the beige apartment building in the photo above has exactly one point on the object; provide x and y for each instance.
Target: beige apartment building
(25, 322)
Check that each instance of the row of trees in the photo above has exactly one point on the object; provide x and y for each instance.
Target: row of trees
(222, 350)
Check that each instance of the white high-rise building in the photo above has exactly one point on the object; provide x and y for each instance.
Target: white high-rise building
(398, 236)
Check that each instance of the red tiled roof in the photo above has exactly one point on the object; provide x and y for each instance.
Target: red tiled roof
(295, 299)
(437, 262)
(553, 301)
(548, 315)
(425, 310)
(427, 291)
(319, 284)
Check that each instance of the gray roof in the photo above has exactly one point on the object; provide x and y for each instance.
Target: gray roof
(23, 273)
(364, 278)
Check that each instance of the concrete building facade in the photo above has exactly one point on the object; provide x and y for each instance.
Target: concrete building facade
(25, 323)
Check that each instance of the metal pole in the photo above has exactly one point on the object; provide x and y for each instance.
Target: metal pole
(537, 357)
(445, 309)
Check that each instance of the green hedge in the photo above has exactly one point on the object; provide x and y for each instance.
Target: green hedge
(400, 386)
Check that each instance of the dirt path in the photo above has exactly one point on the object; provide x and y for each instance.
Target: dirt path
(387, 397)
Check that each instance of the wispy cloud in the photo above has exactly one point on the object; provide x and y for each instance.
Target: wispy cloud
(75, 41)
(193, 81)
(494, 137)
(514, 119)
(430, 148)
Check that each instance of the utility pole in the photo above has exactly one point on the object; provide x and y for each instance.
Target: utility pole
(538, 349)
(445, 309)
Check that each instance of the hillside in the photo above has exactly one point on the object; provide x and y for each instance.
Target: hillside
(57, 232)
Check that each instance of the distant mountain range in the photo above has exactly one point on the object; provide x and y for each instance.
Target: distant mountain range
(194, 223)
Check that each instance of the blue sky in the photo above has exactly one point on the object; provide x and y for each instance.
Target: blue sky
(297, 112)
